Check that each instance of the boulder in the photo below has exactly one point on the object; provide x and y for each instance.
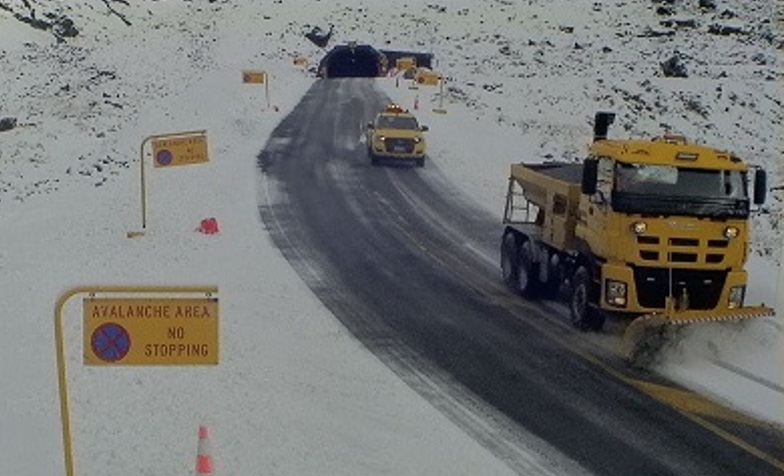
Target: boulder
(7, 123)
(674, 68)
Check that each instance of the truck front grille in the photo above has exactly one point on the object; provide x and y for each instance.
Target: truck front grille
(399, 146)
(655, 284)
(681, 250)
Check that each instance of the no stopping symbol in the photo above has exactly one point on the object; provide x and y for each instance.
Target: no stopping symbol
(164, 157)
(110, 342)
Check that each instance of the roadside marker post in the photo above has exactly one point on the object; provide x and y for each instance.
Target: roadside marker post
(258, 77)
(440, 109)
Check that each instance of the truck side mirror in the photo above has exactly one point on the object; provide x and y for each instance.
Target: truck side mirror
(370, 125)
(760, 186)
(424, 128)
(590, 171)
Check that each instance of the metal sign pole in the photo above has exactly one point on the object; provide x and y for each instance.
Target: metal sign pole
(60, 345)
(142, 179)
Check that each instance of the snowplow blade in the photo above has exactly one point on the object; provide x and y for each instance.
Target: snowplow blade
(646, 334)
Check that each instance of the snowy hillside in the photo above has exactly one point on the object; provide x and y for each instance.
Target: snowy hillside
(525, 66)
(82, 82)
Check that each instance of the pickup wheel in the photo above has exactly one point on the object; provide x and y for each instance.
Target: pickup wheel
(420, 162)
(584, 316)
(509, 268)
(373, 158)
(528, 284)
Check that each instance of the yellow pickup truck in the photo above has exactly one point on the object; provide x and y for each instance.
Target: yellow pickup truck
(396, 136)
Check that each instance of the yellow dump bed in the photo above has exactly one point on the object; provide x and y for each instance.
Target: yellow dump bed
(554, 191)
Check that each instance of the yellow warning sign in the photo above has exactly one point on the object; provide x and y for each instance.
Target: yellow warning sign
(139, 331)
(426, 77)
(172, 151)
(255, 77)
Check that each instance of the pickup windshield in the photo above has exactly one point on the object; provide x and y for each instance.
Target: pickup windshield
(397, 122)
(669, 190)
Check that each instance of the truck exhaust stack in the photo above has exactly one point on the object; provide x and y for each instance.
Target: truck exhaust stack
(601, 123)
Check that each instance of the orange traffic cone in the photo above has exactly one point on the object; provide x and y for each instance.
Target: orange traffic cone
(204, 457)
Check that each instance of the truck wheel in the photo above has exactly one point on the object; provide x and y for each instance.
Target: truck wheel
(528, 283)
(420, 162)
(509, 268)
(373, 158)
(584, 316)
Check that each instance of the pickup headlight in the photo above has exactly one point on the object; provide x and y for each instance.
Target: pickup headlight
(737, 294)
(615, 293)
(417, 140)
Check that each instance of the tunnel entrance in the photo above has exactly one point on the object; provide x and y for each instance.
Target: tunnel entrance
(352, 61)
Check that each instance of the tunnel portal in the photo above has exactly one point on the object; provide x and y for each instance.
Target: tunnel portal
(352, 61)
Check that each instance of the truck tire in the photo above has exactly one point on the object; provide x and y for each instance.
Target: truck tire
(509, 267)
(584, 316)
(528, 284)
(420, 162)
(373, 158)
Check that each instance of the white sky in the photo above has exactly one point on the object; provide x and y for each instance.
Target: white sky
(294, 393)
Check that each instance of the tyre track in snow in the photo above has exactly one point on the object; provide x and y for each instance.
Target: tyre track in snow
(392, 252)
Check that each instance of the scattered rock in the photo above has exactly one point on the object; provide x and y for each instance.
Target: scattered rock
(319, 37)
(7, 123)
(64, 27)
(674, 68)
(725, 30)
(708, 5)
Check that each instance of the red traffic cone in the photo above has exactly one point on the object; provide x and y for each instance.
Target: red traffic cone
(204, 457)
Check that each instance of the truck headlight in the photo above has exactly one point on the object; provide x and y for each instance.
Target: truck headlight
(731, 232)
(639, 227)
(737, 294)
(615, 293)
(417, 140)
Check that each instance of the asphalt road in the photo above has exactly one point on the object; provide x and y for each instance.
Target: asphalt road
(408, 266)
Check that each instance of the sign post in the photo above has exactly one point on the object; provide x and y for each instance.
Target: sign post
(172, 149)
(113, 340)
(440, 109)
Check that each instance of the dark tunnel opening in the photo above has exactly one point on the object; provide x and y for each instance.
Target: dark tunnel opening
(352, 62)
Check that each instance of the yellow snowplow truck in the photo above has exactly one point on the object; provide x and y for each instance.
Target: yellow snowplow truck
(653, 232)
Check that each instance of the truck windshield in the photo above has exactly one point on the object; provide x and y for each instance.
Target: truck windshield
(662, 189)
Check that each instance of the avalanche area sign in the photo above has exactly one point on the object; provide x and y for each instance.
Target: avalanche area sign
(254, 77)
(139, 331)
(169, 152)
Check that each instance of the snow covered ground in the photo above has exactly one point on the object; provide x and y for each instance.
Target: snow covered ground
(294, 393)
